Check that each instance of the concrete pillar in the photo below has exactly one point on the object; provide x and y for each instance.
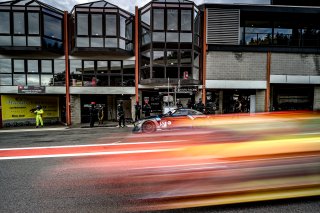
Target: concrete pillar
(75, 103)
(220, 111)
(316, 99)
(111, 108)
(260, 100)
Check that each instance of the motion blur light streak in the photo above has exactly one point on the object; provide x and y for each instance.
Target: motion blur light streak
(219, 160)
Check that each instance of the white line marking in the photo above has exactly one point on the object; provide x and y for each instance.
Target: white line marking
(86, 154)
(34, 130)
(91, 145)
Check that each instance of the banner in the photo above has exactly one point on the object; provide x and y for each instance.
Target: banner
(18, 106)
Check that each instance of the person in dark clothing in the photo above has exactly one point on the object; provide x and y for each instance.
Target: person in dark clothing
(92, 112)
(189, 104)
(121, 115)
(147, 109)
(137, 108)
(179, 104)
(199, 106)
(100, 114)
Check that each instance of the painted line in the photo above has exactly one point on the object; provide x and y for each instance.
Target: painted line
(86, 154)
(91, 145)
(34, 130)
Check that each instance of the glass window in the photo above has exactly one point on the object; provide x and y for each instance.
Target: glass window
(96, 24)
(172, 19)
(172, 57)
(186, 70)
(19, 79)
(185, 37)
(196, 59)
(19, 41)
(158, 57)
(146, 39)
(185, 57)
(172, 37)
(89, 80)
(111, 25)
(88, 67)
(50, 43)
(282, 36)
(158, 72)
(6, 79)
(5, 22)
(186, 20)
(46, 66)
(33, 80)
(258, 33)
(46, 80)
(145, 73)
(33, 66)
(33, 23)
(53, 27)
(75, 67)
(115, 81)
(196, 23)
(129, 31)
(129, 67)
(34, 41)
(18, 66)
(146, 17)
(5, 40)
(5, 65)
(158, 19)
(102, 80)
(82, 42)
(82, 24)
(18, 23)
(129, 46)
(195, 73)
(122, 27)
(102, 66)
(115, 66)
(158, 37)
(96, 42)
(172, 72)
(145, 58)
(122, 44)
(59, 73)
(128, 81)
(111, 42)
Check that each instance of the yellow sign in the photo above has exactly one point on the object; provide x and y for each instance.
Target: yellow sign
(19, 106)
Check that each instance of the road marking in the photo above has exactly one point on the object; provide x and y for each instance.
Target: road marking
(91, 145)
(34, 130)
(87, 154)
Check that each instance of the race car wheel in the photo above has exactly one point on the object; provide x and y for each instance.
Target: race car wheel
(148, 127)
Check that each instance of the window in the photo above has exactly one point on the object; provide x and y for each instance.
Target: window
(5, 23)
(82, 24)
(102, 67)
(172, 37)
(186, 20)
(82, 42)
(196, 59)
(146, 39)
(146, 17)
(145, 73)
(258, 33)
(122, 27)
(33, 80)
(53, 27)
(46, 66)
(129, 67)
(33, 66)
(18, 23)
(5, 65)
(158, 19)
(88, 67)
(158, 57)
(96, 42)
(185, 57)
(115, 66)
(46, 80)
(158, 72)
(33, 23)
(145, 59)
(172, 57)
(96, 24)
(5, 40)
(6, 79)
(19, 79)
(172, 72)
(111, 25)
(59, 73)
(186, 37)
(19, 41)
(129, 31)
(111, 42)
(172, 19)
(158, 37)
(18, 66)
(76, 72)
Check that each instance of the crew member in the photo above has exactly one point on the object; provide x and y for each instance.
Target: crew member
(38, 112)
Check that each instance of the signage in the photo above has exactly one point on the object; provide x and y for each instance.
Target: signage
(185, 75)
(188, 89)
(31, 89)
(19, 106)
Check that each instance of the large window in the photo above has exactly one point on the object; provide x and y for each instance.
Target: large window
(172, 19)
(52, 32)
(5, 72)
(18, 23)
(5, 23)
(96, 24)
(158, 19)
(33, 23)
(186, 20)
(82, 24)
(111, 25)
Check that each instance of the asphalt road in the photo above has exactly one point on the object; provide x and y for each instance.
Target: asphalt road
(47, 185)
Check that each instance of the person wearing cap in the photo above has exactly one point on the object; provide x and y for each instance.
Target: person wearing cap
(38, 112)
(92, 112)
(137, 111)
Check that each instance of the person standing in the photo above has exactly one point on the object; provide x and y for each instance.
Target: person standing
(100, 114)
(137, 108)
(179, 104)
(121, 115)
(147, 109)
(92, 112)
(39, 113)
(189, 104)
(200, 106)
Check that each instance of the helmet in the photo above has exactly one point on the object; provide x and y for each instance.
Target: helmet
(39, 107)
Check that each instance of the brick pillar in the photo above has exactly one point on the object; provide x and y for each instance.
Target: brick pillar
(316, 99)
(260, 100)
(75, 103)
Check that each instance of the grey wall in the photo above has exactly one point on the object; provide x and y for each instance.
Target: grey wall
(236, 66)
(295, 64)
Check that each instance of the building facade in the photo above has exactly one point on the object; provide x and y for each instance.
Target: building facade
(236, 58)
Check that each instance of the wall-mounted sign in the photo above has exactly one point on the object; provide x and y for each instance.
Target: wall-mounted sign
(31, 89)
(188, 89)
